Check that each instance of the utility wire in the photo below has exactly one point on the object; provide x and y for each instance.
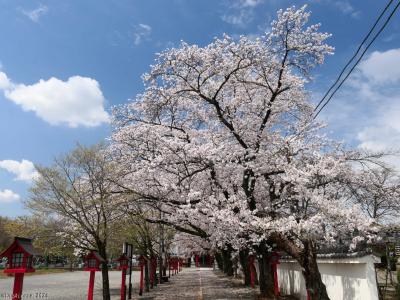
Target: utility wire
(355, 55)
(359, 59)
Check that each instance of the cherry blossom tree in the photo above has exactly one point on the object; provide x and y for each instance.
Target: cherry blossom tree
(378, 193)
(78, 192)
(223, 142)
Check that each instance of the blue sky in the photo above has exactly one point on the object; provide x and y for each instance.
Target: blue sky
(63, 64)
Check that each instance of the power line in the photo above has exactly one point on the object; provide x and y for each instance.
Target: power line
(355, 54)
(359, 59)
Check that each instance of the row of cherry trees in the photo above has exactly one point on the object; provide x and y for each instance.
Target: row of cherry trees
(223, 142)
(77, 206)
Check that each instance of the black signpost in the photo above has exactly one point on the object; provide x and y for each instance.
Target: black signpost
(128, 251)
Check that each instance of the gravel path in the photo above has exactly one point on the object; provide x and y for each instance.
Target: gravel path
(190, 284)
(199, 284)
(63, 286)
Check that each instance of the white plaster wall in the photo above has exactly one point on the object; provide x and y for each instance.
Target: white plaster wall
(345, 279)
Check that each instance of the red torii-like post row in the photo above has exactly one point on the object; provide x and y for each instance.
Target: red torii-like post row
(174, 265)
(209, 260)
(252, 270)
(177, 265)
(274, 259)
(19, 261)
(92, 263)
(142, 262)
(274, 263)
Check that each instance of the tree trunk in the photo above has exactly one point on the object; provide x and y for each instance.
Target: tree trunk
(227, 262)
(104, 273)
(70, 264)
(106, 287)
(314, 285)
(244, 259)
(220, 263)
(266, 279)
(307, 258)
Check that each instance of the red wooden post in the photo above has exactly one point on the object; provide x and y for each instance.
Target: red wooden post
(308, 294)
(18, 283)
(175, 266)
(274, 263)
(123, 265)
(197, 261)
(93, 263)
(91, 285)
(252, 269)
(276, 284)
(123, 293)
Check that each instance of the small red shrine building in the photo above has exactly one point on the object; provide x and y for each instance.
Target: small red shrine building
(123, 262)
(19, 256)
(93, 261)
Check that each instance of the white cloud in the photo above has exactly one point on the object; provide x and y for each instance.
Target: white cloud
(36, 13)
(378, 88)
(382, 67)
(250, 3)
(367, 110)
(75, 102)
(239, 4)
(240, 12)
(391, 37)
(5, 83)
(142, 32)
(23, 170)
(383, 130)
(342, 5)
(240, 19)
(8, 196)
